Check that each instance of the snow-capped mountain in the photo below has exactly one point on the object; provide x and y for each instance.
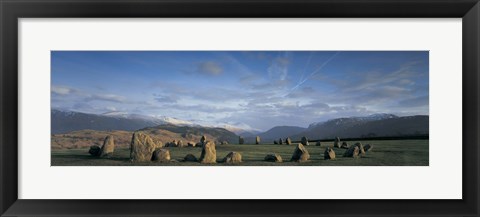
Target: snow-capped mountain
(66, 121)
(116, 114)
(156, 119)
(238, 128)
(370, 126)
(376, 117)
(174, 121)
(339, 121)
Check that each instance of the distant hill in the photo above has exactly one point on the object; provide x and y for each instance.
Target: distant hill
(78, 130)
(280, 132)
(160, 134)
(67, 121)
(358, 127)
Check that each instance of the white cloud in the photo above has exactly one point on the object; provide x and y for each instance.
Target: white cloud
(61, 90)
(111, 108)
(106, 97)
(278, 70)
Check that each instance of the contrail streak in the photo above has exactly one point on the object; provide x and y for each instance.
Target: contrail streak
(313, 73)
(306, 66)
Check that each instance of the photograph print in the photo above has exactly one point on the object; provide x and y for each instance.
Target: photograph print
(240, 108)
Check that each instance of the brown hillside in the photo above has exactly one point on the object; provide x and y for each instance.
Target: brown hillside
(86, 138)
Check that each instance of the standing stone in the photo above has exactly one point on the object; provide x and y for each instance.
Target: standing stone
(203, 139)
(107, 147)
(191, 144)
(367, 147)
(280, 141)
(300, 154)
(95, 150)
(336, 144)
(190, 158)
(305, 141)
(318, 143)
(257, 140)
(352, 152)
(173, 143)
(209, 154)
(344, 145)
(360, 147)
(180, 144)
(288, 141)
(273, 158)
(224, 143)
(329, 154)
(141, 147)
(161, 155)
(240, 140)
(233, 157)
(275, 142)
(355, 151)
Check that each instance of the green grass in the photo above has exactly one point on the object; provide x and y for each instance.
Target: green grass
(384, 153)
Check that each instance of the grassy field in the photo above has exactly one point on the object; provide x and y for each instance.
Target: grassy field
(384, 153)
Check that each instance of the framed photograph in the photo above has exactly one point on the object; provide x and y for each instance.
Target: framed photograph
(252, 108)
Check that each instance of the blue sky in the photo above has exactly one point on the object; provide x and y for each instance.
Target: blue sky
(251, 89)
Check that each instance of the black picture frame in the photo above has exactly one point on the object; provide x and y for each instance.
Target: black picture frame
(12, 10)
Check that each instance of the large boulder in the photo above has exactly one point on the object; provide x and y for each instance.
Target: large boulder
(368, 147)
(329, 154)
(191, 144)
(336, 143)
(161, 155)
(95, 150)
(300, 154)
(107, 147)
(280, 141)
(224, 143)
(181, 144)
(232, 157)
(355, 151)
(273, 158)
(141, 147)
(305, 141)
(318, 143)
(275, 142)
(241, 140)
(288, 141)
(209, 154)
(344, 145)
(257, 140)
(203, 139)
(190, 158)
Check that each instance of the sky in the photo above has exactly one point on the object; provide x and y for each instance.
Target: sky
(249, 89)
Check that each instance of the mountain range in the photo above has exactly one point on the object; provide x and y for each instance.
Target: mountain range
(377, 125)
(67, 121)
(362, 127)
